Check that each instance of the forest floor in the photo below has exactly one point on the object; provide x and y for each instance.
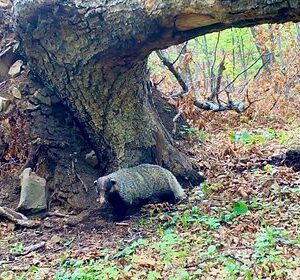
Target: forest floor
(242, 223)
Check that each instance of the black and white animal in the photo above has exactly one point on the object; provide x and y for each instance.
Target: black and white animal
(136, 186)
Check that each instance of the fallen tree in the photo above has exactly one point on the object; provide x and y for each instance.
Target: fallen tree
(93, 56)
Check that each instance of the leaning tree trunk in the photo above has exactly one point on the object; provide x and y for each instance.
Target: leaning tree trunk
(93, 54)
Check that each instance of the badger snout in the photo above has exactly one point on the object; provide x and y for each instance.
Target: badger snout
(101, 199)
(101, 194)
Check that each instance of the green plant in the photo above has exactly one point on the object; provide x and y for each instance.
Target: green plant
(181, 274)
(24, 276)
(16, 248)
(153, 275)
(200, 134)
(265, 249)
(171, 246)
(129, 250)
(236, 209)
(261, 137)
(207, 189)
(192, 216)
(232, 267)
(211, 222)
(290, 120)
(240, 208)
(269, 169)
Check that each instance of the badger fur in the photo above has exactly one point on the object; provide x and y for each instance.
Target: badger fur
(136, 186)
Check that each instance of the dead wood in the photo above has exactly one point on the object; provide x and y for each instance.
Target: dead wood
(18, 218)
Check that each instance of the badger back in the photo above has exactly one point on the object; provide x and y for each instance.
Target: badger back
(145, 181)
(154, 180)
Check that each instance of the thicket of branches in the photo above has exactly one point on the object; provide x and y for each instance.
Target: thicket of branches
(250, 70)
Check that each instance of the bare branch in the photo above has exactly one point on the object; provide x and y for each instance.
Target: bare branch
(216, 88)
(250, 66)
(172, 69)
(215, 53)
(175, 121)
(31, 248)
(180, 53)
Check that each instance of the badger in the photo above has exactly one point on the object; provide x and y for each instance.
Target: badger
(136, 186)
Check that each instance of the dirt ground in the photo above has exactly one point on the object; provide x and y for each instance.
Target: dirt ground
(244, 176)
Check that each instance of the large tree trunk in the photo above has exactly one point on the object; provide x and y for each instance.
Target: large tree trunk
(93, 54)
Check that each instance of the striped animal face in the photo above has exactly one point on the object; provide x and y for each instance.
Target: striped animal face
(104, 187)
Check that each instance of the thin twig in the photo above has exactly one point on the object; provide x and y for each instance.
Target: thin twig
(175, 121)
(81, 181)
(260, 68)
(215, 52)
(250, 103)
(158, 83)
(122, 224)
(212, 259)
(214, 94)
(180, 53)
(245, 70)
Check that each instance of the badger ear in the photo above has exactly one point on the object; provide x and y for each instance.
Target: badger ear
(114, 185)
(113, 181)
(96, 187)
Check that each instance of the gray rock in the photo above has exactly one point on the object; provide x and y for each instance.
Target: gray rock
(31, 107)
(6, 60)
(16, 93)
(36, 113)
(15, 69)
(4, 103)
(91, 158)
(33, 192)
(42, 98)
(4, 4)
(34, 101)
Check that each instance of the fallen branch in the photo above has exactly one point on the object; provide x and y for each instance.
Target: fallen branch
(31, 248)
(57, 214)
(122, 224)
(18, 218)
(210, 106)
(196, 264)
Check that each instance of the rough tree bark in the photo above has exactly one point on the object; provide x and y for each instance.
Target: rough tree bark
(93, 54)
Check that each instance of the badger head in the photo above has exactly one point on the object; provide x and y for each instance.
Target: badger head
(105, 187)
